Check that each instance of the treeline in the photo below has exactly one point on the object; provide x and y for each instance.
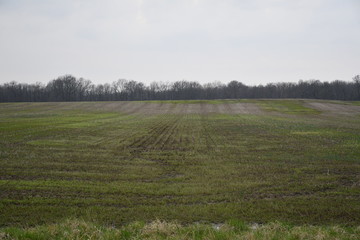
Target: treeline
(70, 88)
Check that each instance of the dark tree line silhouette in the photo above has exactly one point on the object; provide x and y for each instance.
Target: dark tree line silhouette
(70, 88)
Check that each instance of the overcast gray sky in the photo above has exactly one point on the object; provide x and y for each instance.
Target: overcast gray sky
(253, 41)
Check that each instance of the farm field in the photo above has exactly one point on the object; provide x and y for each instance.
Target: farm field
(113, 163)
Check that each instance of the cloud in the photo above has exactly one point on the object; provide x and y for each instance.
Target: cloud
(249, 40)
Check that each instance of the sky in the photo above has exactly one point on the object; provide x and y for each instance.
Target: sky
(252, 41)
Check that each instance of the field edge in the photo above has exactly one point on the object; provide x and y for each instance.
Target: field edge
(232, 229)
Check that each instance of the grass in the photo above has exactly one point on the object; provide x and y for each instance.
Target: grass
(67, 161)
(233, 229)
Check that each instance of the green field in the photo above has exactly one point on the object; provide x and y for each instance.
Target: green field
(114, 163)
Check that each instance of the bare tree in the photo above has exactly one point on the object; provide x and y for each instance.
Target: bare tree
(356, 80)
(69, 88)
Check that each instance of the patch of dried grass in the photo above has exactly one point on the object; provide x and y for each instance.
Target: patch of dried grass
(159, 227)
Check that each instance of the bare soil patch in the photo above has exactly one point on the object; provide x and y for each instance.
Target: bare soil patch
(171, 108)
(334, 108)
(241, 108)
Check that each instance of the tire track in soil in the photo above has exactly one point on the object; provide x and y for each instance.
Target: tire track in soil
(209, 141)
(157, 141)
(182, 141)
(154, 131)
(168, 134)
